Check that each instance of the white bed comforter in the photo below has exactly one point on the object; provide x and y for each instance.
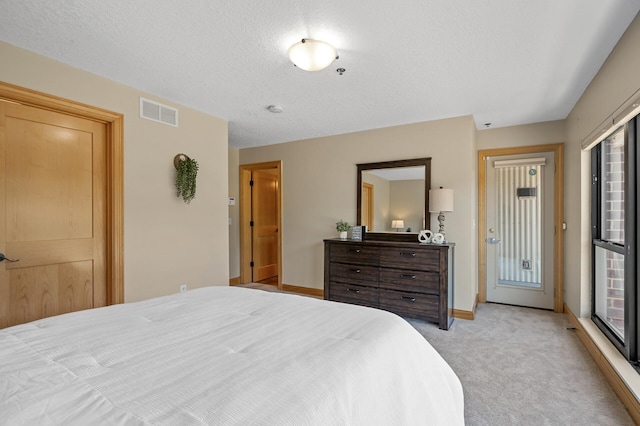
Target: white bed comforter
(223, 356)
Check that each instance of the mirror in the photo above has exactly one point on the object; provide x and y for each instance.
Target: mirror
(394, 191)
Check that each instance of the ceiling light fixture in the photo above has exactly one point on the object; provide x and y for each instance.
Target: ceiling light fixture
(312, 55)
(276, 109)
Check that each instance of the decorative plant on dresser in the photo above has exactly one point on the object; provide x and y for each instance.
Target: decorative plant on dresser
(408, 278)
(342, 227)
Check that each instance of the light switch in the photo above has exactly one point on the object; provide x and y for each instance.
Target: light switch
(232, 201)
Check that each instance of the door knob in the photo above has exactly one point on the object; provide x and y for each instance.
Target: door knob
(3, 257)
(492, 240)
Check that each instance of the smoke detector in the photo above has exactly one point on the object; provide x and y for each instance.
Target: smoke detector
(274, 109)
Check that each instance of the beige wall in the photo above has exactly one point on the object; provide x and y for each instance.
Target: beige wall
(319, 187)
(617, 80)
(407, 203)
(166, 242)
(526, 135)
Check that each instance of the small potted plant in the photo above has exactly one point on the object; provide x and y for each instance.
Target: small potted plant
(342, 227)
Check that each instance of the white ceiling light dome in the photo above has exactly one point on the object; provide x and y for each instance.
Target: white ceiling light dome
(312, 55)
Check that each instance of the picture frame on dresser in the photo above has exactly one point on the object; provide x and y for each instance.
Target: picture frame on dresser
(357, 233)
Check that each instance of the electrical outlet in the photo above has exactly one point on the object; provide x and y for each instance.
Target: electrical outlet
(183, 288)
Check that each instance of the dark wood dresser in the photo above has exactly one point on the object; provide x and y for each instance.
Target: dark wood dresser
(410, 279)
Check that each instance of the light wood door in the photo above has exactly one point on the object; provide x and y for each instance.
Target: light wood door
(52, 213)
(265, 224)
(367, 206)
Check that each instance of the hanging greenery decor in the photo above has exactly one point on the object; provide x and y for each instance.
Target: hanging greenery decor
(186, 178)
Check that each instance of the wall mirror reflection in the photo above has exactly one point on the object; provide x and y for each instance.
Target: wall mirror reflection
(393, 195)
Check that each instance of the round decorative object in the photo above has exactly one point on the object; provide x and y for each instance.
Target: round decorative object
(425, 236)
(438, 238)
(533, 172)
(178, 158)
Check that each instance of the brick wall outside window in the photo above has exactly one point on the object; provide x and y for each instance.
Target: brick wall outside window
(613, 230)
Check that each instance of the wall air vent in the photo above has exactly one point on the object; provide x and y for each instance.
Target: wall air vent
(157, 112)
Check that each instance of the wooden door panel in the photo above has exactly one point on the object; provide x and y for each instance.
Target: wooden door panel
(266, 258)
(45, 199)
(33, 253)
(265, 229)
(367, 206)
(53, 213)
(75, 286)
(43, 291)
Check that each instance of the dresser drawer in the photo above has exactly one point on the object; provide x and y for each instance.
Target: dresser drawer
(357, 274)
(412, 305)
(355, 294)
(410, 280)
(411, 258)
(355, 253)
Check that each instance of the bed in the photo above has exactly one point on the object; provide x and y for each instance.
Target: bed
(225, 356)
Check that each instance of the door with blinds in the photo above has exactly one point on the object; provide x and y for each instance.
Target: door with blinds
(520, 229)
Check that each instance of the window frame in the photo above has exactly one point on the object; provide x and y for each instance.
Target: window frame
(628, 347)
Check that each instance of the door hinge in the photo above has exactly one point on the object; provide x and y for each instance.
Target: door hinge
(251, 223)
(251, 264)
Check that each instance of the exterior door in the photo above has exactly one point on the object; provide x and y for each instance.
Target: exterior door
(520, 229)
(264, 206)
(52, 213)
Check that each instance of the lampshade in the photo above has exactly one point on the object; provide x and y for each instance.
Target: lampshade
(440, 200)
(312, 55)
(396, 224)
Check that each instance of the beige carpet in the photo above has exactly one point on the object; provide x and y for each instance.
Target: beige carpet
(521, 366)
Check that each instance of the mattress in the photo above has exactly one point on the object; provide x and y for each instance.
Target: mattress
(225, 356)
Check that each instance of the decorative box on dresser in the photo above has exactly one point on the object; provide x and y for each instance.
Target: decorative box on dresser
(408, 278)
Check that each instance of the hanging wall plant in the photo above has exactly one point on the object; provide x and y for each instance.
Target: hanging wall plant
(187, 171)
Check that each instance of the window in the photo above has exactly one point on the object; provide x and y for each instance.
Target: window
(613, 223)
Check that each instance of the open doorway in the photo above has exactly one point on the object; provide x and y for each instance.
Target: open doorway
(261, 223)
(487, 237)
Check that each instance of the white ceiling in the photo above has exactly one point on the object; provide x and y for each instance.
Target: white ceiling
(506, 62)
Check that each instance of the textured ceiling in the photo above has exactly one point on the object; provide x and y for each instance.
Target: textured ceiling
(507, 62)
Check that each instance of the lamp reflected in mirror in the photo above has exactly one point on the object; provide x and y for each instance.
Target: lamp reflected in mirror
(397, 224)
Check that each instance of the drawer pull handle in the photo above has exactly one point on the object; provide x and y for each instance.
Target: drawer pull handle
(354, 250)
(408, 254)
(356, 291)
(357, 271)
(411, 299)
(410, 276)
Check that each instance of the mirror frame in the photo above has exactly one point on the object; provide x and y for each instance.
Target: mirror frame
(395, 236)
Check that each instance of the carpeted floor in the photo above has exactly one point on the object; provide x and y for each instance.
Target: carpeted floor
(521, 366)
